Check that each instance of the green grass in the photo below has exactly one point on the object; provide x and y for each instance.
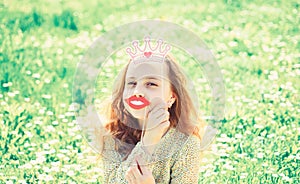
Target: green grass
(256, 44)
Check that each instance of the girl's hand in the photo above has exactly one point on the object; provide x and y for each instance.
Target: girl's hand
(139, 173)
(157, 123)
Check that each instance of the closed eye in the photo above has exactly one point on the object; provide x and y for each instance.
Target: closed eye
(131, 83)
(151, 84)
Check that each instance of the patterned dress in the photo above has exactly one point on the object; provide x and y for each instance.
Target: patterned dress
(176, 159)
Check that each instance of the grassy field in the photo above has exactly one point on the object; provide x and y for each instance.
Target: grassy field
(256, 44)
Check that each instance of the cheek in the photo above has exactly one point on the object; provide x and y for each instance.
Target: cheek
(167, 93)
(126, 106)
(160, 94)
(127, 93)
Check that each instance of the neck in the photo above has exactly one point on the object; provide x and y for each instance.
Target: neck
(141, 123)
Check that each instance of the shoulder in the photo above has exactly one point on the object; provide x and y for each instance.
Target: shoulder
(189, 150)
(192, 145)
(187, 160)
(187, 141)
(179, 144)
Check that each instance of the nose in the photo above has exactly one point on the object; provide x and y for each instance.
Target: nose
(138, 91)
(138, 94)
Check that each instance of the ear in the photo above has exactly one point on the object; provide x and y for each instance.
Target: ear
(173, 96)
(171, 101)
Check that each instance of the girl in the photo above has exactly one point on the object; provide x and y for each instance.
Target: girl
(153, 131)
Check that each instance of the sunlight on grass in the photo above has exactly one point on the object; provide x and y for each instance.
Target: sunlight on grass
(256, 45)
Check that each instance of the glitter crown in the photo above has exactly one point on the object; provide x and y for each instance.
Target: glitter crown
(148, 52)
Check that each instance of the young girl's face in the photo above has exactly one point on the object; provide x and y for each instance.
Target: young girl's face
(143, 82)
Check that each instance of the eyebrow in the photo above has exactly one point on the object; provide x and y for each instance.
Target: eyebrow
(148, 77)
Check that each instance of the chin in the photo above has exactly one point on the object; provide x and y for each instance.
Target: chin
(138, 114)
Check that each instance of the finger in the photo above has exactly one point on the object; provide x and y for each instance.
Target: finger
(156, 114)
(153, 115)
(163, 116)
(155, 121)
(157, 109)
(162, 127)
(145, 170)
(154, 102)
(165, 125)
(136, 173)
(129, 176)
(139, 160)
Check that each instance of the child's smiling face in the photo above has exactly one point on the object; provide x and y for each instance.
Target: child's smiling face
(143, 82)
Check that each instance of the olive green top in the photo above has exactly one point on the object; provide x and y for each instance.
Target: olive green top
(176, 159)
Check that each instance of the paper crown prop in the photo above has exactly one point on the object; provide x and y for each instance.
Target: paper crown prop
(148, 52)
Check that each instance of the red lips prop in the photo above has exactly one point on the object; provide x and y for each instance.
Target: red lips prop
(137, 102)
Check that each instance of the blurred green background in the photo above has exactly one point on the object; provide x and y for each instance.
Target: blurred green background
(256, 44)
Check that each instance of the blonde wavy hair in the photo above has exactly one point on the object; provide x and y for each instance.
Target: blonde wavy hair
(183, 114)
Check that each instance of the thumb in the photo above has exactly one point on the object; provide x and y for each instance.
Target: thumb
(165, 125)
(142, 165)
